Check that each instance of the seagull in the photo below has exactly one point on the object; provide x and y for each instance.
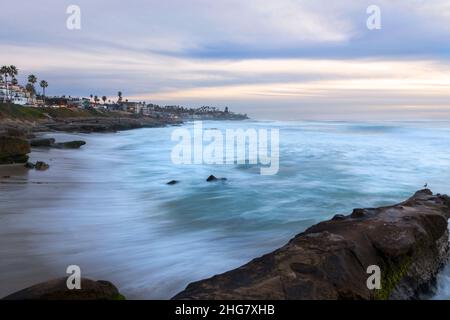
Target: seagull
(426, 185)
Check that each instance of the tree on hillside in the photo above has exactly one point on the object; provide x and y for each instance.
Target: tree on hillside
(14, 82)
(43, 84)
(30, 89)
(13, 72)
(119, 94)
(104, 99)
(96, 99)
(32, 79)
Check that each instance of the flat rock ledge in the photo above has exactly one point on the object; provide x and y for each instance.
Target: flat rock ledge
(57, 290)
(408, 241)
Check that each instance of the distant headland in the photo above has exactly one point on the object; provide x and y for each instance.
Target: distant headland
(25, 107)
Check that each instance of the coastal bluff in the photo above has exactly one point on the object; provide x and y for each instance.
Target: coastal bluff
(407, 241)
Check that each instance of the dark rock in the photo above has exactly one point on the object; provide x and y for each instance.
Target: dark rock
(13, 150)
(15, 132)
(57, 290)
(408, 241)
(338, 217)
(358, 213)
(41, 166)
(45, 142)
(212, 178)
(29, 165)
(70, 145)
(172, 182)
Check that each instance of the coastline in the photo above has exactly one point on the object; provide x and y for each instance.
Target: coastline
(19, 125)
(13, 166)
(29, 120)
(408, 242)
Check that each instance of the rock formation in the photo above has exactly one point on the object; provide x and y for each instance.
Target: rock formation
(408, 241)
(213, 178)
(57, 290)
(13, 150)
(50, 143)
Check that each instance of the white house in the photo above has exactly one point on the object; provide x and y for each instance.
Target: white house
(16, 94)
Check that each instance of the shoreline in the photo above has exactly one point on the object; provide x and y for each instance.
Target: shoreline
(197, 289)
(408, 240)
(20, 125)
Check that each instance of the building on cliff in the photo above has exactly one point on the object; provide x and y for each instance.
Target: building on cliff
(14, 93)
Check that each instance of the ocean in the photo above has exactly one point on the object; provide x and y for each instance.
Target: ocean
(107, 208)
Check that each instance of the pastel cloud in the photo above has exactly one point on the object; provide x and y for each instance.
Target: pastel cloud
(283, 59)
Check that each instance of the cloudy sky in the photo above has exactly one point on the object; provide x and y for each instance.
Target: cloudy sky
(273, 59)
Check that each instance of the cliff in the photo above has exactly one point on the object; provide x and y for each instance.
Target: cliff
(408, 241)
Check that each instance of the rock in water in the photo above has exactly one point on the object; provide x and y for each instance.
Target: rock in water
(407, 241)
(172, 182)
(29, 165)
(70, 144)
(57, 290)
(212, 178)
(45, 142)
(13, 150)
(41, 166)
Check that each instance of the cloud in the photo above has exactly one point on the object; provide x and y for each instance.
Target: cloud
(245, 54)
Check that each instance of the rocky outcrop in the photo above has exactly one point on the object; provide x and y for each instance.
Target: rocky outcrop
(407, 241)
(57, 290)
(107, 124)
(213, 178)
(43, 142)
(70, 144)
(41, 166)
(13, 150)
(50, 143)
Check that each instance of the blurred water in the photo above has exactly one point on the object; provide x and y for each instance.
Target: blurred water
(107, 208)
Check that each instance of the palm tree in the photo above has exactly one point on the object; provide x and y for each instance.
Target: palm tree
(32, 79)
(91, 96)
(13, 71)
(119, 94)
(43, 84)
(30, 89)
(95, 100)
(104, 99)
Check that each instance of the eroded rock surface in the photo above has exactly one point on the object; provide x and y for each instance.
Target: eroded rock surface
(57, 290)
(408, 241)
(13, 150)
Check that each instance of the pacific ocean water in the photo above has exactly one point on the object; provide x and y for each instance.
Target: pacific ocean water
(107, 207)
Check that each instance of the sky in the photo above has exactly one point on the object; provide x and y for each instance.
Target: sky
(271, 59)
